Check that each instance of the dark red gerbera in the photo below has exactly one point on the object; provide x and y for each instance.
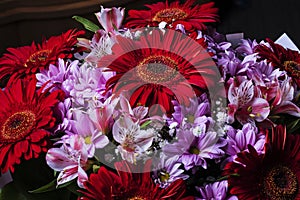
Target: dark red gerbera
(130, 184)
(25, 115)
(284, 59)
(27, 60)
(160, 67)
(274, 175)
(191, 17)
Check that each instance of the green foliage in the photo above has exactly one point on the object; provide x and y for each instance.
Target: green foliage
(88, 25)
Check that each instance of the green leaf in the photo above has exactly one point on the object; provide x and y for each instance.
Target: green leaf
(73, 187)
(96, 168)
(145, 124)
(293, 126)
(46, 188)
(88, 25)
(65, 184)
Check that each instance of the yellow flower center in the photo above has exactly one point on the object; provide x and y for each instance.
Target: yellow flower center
(164, 176)
(191, 118)
(17, 126)
(194, 150)
(157, 69)
(137, 198)
(39, 56)
(169, 15)
(88, 140)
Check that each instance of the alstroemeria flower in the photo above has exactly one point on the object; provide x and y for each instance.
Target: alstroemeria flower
(110, 18)
(70, 160)
(103, 114)
(93, 138)
(244, 105)
(100, 45)
(133, 141)
(284, 95)
(139, 114)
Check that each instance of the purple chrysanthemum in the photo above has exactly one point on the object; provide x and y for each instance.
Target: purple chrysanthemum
(59, 77)
(193, 151)
(230, 64)
(246, 47)
(217, 191)
(262, 73)
(238, 140)
(216, 43)
(89, 86)
(193, 115)
(167, 171)
(64, 116)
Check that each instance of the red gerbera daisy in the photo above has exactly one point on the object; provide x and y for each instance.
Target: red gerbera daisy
(26, 60)
(191, 17)
(274, 175)
(160, 67)
(25, 115)
(285, 59)
(130, 185)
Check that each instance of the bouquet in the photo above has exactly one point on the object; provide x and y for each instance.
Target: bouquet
(155, 105)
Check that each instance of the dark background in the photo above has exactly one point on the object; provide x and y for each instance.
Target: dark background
(22, 21)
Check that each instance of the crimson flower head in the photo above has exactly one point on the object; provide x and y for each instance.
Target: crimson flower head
(285, 59)
(192, 17)
(25, 117)
(23, 61)
(130, 182)
(273, 175)
(160, 67)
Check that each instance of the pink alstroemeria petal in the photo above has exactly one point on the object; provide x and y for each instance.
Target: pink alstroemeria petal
(67, 175)
(110, 18)
(58, 159)
(260, 109)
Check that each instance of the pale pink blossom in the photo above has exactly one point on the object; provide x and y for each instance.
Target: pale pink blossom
(133, 141)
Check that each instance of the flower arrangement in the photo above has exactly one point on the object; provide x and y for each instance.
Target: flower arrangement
(156, 105)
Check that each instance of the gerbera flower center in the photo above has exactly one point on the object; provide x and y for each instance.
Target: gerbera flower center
(18, 125)
(39, 56)
(157, 69)
(293, 68)
(169, 15)
(137, 198)
(280, 183)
